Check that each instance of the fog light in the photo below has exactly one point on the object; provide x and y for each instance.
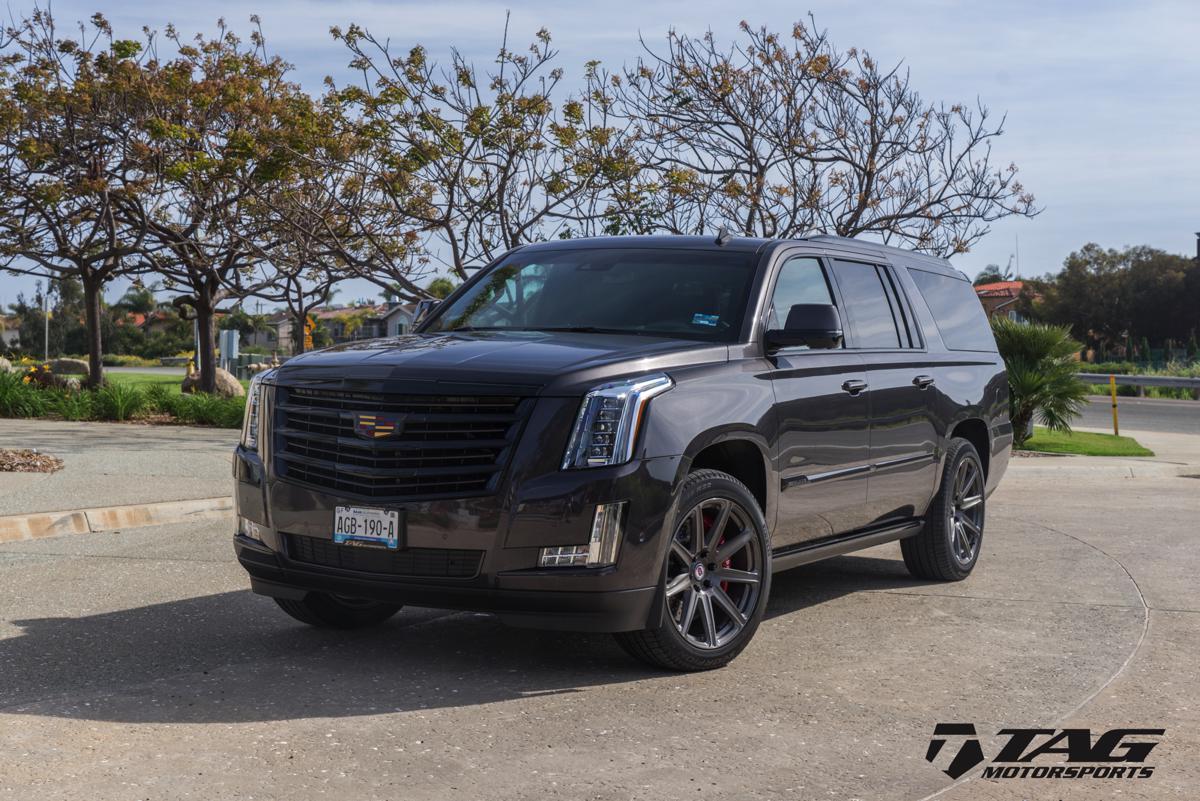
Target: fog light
(601, 550)
(248, 528)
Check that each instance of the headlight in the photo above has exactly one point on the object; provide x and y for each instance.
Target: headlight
(250, 422)
(609, 420)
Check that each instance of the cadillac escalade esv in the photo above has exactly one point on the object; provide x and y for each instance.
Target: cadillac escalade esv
(630, 435)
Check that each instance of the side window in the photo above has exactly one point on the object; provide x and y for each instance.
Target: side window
(872, 314)
(956, 310)
(801, 280)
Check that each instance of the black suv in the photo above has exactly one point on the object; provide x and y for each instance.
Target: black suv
(630, 435)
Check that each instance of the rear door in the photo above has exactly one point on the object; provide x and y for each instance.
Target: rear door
(903, 434)
(823, 448)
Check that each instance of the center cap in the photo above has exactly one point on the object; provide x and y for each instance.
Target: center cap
(698, 572)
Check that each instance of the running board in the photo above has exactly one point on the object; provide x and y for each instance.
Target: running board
(823, 549)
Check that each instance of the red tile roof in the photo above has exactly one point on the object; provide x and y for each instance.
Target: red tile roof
(1004, 289)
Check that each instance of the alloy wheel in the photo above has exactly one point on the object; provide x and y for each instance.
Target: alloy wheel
(714, 573)
(965, 513)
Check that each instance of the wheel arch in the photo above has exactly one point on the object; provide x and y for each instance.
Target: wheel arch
(975, 431)
(742, 453)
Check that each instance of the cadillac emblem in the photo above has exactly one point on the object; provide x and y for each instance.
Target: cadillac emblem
(377, 426)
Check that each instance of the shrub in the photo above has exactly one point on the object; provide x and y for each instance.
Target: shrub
(118, 401)
(1041, 375)
(127, 360)
(72, 404)
(209, 410)
(20, 399)
(161, 399)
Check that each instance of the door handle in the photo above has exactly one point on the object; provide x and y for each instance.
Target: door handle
(923, 381)
(854, 386)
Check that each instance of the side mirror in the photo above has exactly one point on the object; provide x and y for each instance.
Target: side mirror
(816, 325)
(424, 307)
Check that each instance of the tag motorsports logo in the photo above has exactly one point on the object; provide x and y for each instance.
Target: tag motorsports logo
(1086, 758)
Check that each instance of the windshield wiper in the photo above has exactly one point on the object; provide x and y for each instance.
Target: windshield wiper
(590, 329)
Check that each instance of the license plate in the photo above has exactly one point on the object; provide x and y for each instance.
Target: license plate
(365, 524)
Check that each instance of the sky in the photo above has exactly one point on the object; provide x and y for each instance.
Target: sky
(1102, 98)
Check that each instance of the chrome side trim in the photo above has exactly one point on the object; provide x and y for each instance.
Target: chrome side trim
(831, 475)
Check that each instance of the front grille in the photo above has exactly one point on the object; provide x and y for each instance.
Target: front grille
(413, 562)
(447, 446)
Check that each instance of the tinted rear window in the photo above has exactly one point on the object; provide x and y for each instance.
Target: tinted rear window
(956, 310)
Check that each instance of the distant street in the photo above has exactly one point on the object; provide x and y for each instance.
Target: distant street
(1144, 414)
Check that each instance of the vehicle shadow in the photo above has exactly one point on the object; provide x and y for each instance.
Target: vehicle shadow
(233, 657)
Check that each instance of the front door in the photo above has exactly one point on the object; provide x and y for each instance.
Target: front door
(823, 448)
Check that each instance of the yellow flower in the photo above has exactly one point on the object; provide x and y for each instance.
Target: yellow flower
(25, 379)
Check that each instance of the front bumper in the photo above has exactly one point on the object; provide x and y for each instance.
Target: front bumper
(506, 529)
(576, 610)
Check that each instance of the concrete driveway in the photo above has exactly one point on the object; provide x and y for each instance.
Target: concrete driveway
(136, 666)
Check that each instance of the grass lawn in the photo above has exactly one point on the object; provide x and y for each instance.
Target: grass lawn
(146, 380)
(1084, 443)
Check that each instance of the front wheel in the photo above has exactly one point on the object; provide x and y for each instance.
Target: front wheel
(337, 612)
(715, 581)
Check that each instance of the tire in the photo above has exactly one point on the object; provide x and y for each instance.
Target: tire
(707, 621)
(335, 612)
(948, 546)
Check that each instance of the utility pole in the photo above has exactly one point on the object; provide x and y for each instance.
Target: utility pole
(45, 320)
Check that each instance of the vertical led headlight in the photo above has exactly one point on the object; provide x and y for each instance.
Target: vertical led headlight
(608, 422)
(252, 420)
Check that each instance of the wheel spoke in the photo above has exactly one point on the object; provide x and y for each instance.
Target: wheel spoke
(696, 518)
(681, 553)
(709, 619)
(970, 502)
(736, 576)
(689, 611)
(721, 521)
(727, 604)
(960, 534)
(678, 584)
(967, 479)
(972, 525)
(733, 546)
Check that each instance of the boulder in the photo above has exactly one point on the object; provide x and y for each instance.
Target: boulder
(6, 366)
(227, 385)
(68, 366)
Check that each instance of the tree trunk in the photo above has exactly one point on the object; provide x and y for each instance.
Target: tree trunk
(206, 354)
(92, 294)
(298, 321)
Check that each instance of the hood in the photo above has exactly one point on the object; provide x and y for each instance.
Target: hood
(522, 362)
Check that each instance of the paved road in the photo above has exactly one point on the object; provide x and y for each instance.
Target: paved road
(136, 665)
(1144, 414)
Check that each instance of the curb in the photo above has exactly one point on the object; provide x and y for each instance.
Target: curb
(15, 528)
(1118, 468)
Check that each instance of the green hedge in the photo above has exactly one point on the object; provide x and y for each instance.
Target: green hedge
(116, 401)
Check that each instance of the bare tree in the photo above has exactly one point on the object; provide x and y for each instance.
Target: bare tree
(782, 135)
(479, 162)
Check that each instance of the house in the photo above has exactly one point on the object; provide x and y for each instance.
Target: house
(398, 318)
(342, 323)
(1000, 298)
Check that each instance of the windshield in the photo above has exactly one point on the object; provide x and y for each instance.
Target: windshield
(689, 294)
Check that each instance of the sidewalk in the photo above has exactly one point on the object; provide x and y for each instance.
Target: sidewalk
(115, 464)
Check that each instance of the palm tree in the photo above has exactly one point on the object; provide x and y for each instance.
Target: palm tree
(1042, 380)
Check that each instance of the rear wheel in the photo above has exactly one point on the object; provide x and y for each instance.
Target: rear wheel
(715, 581)
(337, 611)
(948, 546)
